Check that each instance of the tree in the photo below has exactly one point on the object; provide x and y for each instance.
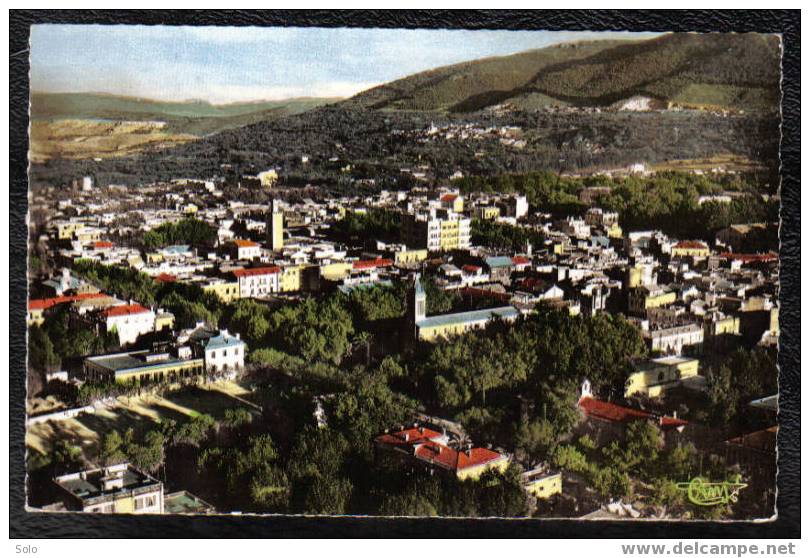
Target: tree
(111, 450)
(375, 303)
(188, 313)
(194, 431)
(41, 354)
(380, 224)
(610, 481)
(185, 231)
(317, 331)
(503, 236)
(150, 455)
(502, 493)
(270, 488)
(251, 320)
(65, 457)
(253, 477)
(678, 463)
(535, 438)
(666, 493)
(326, 495)
(235, 418)
(569, 458)
(639, 453)
(439, 301)
(368, 407)
(409, 504)
(318, 451)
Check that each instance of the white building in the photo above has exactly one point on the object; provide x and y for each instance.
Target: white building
(246, 249)
(258, 282)
(673, 340)
(521, 207)
(437, 230)
(224, 352)
(129, 321)
(572, 226)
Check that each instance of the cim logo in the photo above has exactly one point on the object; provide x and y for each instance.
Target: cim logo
(701, 492)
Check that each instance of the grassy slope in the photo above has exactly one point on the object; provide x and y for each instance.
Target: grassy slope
(738, 71)
(445, 87)
(81, 125)
(195, 117)
(727, 70)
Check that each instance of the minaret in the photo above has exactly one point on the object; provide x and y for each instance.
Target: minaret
(419, 300)
(418, 305)
(585, 389)
(275, 227)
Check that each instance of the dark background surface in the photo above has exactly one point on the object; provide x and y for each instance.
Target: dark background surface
(36, 525)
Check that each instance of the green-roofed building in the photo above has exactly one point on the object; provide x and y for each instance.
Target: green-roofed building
(433, 328)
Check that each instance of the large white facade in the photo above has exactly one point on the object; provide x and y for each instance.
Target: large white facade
(224, 352)
(129, 321)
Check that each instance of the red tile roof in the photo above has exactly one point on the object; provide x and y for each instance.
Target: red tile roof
(125, 310)
(750, 258)
(102, 244)
(449, 197)
(245, 243)
(486, 293)
(471, 268)
(253, 271)
(372, 264)
(425, 447)
(45, 303)
(448, 458)
(534, 283)
(408, 436)
(602, 410)
(691, 244)
(521, 260)
(166, 278)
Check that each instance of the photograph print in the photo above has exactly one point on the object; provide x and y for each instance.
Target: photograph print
(403, 272)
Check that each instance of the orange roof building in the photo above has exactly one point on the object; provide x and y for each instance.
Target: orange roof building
(610, 412)
(430, 448)
(256, 271)
(359, 265)
(125, 310)
(38, 306)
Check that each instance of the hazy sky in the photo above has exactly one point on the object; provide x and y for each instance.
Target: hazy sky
(231, 64)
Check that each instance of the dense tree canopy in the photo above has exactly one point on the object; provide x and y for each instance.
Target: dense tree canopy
(186, 231)
(503, 236)
(317, 331)
(379, 224)
(667, 201)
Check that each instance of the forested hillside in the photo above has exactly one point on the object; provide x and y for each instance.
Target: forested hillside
(732, 71)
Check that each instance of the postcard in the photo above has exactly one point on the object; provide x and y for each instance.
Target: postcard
(403, 272)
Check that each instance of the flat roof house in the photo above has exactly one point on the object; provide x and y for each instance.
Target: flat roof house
(114, 489)
(143, 366)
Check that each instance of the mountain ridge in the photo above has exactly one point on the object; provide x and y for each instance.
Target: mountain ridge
(689, 70)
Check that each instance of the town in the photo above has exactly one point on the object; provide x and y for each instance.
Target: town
(229, 344)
